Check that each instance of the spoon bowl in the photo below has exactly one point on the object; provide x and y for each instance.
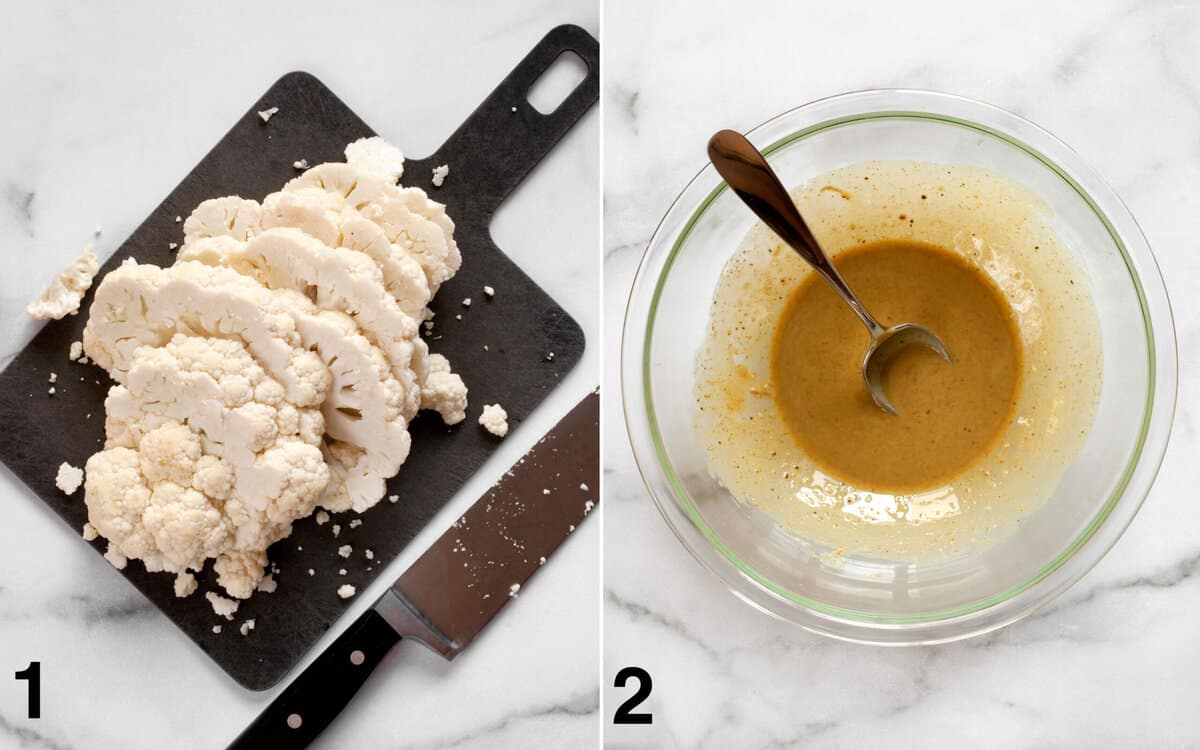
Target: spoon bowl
(887, 344)
(752, 179)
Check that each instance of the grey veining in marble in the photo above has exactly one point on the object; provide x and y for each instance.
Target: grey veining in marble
(1115, 662)
(109, 106)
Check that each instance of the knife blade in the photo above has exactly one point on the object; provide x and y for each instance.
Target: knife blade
(458, 585)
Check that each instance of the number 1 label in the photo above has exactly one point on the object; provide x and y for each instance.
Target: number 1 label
(33, 673)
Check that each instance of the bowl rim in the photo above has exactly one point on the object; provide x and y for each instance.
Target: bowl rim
(988, 612)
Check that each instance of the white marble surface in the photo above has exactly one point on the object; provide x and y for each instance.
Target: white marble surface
(105, 111)
(1114, 662)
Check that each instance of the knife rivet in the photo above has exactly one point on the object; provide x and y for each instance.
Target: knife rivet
(357, 657)
(294, 721)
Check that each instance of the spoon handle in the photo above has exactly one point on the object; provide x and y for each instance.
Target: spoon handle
(753, 180)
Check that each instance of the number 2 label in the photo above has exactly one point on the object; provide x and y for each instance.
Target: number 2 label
(625, 714)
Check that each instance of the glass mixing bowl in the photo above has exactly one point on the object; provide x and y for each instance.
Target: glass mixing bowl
(877, 600)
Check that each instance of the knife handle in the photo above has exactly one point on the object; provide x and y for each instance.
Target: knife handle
(318, 695)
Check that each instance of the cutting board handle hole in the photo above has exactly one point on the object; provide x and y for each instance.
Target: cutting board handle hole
(557, 82)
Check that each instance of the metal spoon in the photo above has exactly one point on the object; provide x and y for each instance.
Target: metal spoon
(747, 172)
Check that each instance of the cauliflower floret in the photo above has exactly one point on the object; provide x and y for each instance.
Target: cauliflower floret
(187, 528)
(444, 391)
(494, 419)
(222, 606)
(196, 466)
(185, 585)
(62, 297)
(239, 573)
(117, 496)
(377, 157)
(68, 478)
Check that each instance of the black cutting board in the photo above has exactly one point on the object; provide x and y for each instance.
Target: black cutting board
(489, 155)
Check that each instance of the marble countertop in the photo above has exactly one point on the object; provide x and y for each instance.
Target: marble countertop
(1113, 662)
(108, 111)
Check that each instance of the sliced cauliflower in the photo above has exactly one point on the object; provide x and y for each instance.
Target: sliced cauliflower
(409, 219)
(325, 216)
(357, 187)
(376, 156)
(418, 201)
(402, 273)
(231, 216)
(64, 294)
(365, 418)
(314, 211)
(140, 305)
(209, 460)
(333, 278)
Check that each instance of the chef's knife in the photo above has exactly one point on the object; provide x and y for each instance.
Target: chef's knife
(458, 585)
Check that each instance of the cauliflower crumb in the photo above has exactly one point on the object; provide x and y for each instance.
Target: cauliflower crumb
(172, 245)
(393, 498)
(185, 584)
(583, 487)
(337, 529)
(541, 561)
(513, 589)
(439, 174)
(246, 627)
(467, 302)
(345, 550)
(588, 506)
(69, 478)
(268, 585)
(76, 351)
(62, 297)
(494, 419)
(300, 164)
(322, 518)
(177, 220)
(54, 377)
(341, 571)
(115, 558)
(345, 591)
(217, 629)
(489, 291)
(267, 114)
(356, 523)
(89, 532)
(50, 391)
(312, 572)
(369, 555)
(222, 606)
